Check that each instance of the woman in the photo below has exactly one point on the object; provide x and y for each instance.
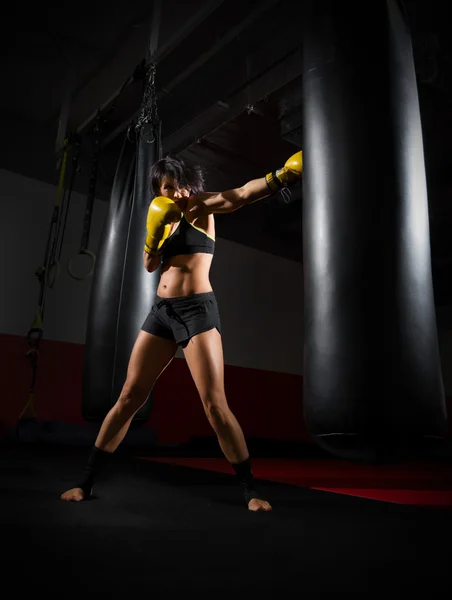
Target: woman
(181, 239)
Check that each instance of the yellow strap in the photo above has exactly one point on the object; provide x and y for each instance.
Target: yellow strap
(29, 404)
(37, 323)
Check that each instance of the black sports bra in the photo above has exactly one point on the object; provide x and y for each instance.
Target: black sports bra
(187, 239)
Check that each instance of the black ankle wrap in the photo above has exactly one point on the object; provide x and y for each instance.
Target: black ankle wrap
(246, 480)
(94, 466)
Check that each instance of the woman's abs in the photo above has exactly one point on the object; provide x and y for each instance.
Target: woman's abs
(185, 275)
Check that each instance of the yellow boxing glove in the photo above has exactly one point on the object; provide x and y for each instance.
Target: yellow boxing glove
(162, 213)
(289, 174)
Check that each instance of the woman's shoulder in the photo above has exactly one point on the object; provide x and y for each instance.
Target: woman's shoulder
(204, 222)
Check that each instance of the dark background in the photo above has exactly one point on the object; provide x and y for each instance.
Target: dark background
(229, 82)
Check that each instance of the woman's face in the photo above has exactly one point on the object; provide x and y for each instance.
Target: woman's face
(170, 189)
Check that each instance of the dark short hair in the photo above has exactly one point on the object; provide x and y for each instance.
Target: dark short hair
(185, 175)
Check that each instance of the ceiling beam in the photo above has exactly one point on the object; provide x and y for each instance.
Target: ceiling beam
(267, 81)
(160, 54)
(232, 34)
(240, 82)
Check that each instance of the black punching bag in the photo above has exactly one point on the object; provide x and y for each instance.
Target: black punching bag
(122, 290)
(372, 378)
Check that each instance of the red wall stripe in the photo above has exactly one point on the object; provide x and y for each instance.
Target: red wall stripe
(267, 404)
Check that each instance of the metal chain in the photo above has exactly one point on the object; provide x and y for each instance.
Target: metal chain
(149, 116)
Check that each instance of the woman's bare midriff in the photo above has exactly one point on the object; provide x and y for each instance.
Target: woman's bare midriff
(185, 275)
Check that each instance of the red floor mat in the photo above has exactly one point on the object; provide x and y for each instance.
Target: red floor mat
(417, 483)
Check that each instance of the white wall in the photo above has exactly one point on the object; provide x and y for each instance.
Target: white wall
(260, 295)
(261, 305)
(26, 212)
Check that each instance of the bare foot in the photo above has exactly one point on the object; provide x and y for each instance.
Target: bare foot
(255, 504)
(73, 495)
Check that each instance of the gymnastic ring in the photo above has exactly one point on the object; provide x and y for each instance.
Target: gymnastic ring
(71, 271)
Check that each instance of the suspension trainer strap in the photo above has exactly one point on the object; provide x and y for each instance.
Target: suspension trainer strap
(42, 272)
(89, 206)
(46, 275)
(75, 141)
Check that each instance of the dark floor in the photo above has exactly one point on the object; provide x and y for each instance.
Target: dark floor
(164, 531)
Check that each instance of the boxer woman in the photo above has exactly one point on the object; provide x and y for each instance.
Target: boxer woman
(181, 240)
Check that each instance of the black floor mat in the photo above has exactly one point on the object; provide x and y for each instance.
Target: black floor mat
(169, 531)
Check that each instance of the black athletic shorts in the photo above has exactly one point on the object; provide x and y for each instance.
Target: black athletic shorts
(179, 319)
